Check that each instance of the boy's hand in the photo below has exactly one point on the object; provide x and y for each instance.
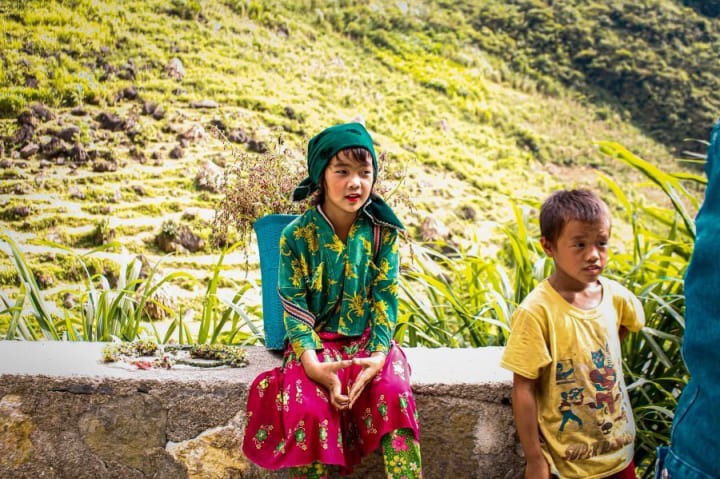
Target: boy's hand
(325, 374)
(537, 469)
(370, 367)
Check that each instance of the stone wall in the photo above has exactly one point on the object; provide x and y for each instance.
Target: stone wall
(65, 414)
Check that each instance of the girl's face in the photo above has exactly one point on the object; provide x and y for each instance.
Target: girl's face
(348, 183)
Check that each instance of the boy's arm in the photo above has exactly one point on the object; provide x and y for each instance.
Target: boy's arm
(525, 412)
(632, 316)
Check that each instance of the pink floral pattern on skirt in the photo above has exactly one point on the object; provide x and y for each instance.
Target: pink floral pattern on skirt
(290, 421)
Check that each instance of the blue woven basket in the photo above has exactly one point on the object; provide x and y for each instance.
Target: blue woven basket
(268, 230)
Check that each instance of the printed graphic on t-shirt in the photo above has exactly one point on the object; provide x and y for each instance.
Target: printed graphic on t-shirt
(595, 407)
(604, 379)
(571, 398)
(564, 372)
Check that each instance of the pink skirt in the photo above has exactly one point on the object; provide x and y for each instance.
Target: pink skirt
(290, 421)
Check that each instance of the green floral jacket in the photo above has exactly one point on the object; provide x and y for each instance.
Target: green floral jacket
(327, 285)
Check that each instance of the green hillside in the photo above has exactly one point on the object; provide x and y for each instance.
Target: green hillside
(655, 61)
(652, 61)
(479, 103)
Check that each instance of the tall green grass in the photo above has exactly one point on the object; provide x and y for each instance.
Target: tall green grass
(222, 320)
(465, 298)
(119, 312)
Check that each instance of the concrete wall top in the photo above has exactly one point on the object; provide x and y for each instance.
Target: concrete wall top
(445, 366)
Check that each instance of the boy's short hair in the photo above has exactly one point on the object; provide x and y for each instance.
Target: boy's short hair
(566, 205)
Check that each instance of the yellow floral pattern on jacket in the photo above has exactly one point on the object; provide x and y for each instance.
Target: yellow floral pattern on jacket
(328, 285)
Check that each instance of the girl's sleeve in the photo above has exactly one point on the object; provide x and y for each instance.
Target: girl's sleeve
(293, 276)
(384, 292)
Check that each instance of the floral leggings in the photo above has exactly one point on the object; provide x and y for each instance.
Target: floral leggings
(401, 453)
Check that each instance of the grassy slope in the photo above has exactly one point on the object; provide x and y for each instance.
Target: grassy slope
(655, 58)
(472, 131)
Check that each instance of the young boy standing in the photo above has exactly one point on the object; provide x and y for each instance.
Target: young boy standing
(570, 404)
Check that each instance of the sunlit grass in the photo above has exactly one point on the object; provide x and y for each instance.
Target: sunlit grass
(121, 309)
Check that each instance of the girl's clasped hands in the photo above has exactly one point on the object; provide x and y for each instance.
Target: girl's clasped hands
(326, 374)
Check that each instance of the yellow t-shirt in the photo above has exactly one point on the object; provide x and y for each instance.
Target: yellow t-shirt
(584, 414)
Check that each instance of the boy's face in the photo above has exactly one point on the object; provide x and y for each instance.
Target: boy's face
(580, 252)
(348, 184)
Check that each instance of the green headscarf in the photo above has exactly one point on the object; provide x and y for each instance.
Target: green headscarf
(326, 144)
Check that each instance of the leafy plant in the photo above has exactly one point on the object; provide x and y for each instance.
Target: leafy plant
(230, 355)
(466, 298)
(105, 312)
(255, 185)
(29, 290)
(229, 325)
(166, 356)
(142, 347)
(121, 311)
(453, 301)
(186, 9)
(169, 228)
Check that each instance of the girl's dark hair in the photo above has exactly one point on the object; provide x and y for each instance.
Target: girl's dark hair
(358, 154)
(566, 205)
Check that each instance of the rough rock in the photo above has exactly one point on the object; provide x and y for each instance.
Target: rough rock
(154, 109)
(176, 153)
(53, 147)
(41, 111)
(78, 154)
(103, 166)
(215, 453)
(68, 134)
(128, 430)
(257, 146)
(29, 150)
(16, 447)
(174, 69)
(195, 133)
(182, 240)
(110, 121)
(209, 177)
(204, 104)
(238, 135)
(78, 111)
(432, 229)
